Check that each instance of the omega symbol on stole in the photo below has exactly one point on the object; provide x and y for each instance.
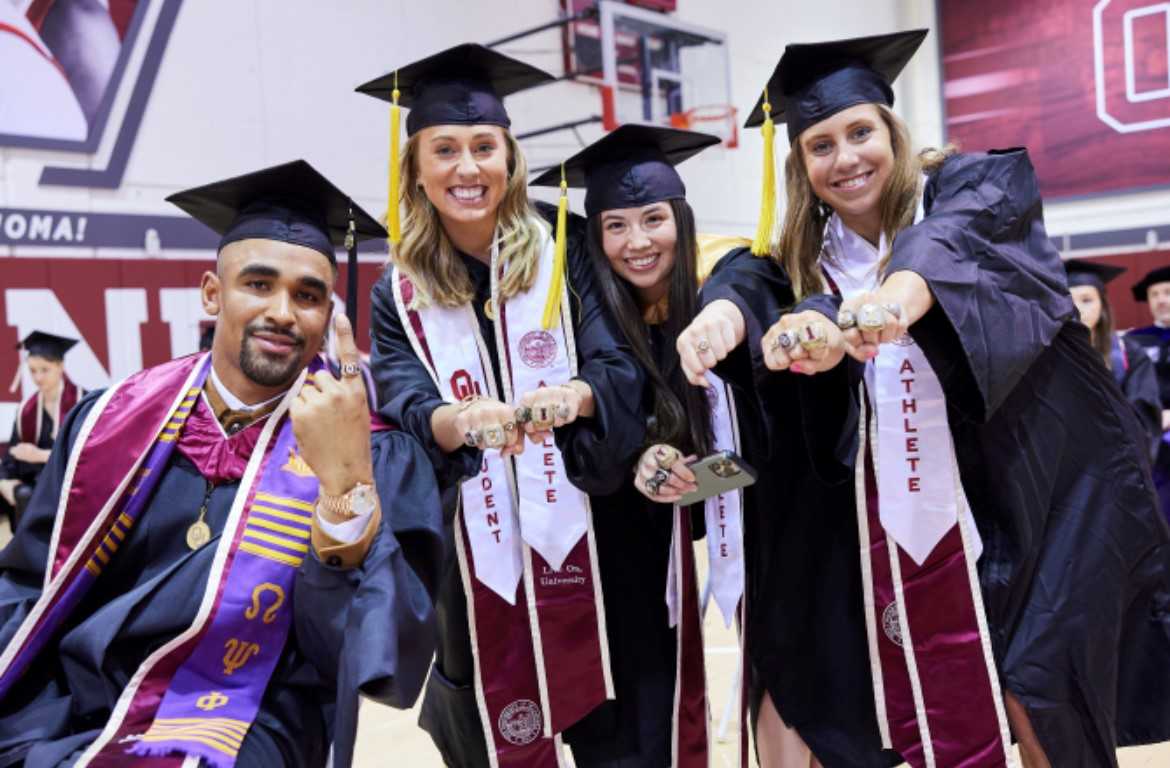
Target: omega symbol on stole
(890, 624)
(520, 722)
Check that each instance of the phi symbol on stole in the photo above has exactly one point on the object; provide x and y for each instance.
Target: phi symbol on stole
(238, 653)
(210, 701)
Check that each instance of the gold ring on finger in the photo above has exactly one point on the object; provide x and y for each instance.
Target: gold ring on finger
(472, 437)
(814, 337)
(894, 308)
(349, 370)
(493, 437)
(563, 411)
(846, 319)
(523, 414)
(871, 317)
(703, 346)
(665, 456)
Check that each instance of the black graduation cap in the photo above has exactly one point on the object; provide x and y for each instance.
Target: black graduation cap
(1159, 275)
(631, 166)
(1081, 272)
(463, 85)
(289, 203)
(814, 81)
(50, 346)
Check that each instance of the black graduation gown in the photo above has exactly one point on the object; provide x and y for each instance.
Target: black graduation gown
(1133, 370)
(26, 472)
(1074, 567)
(368, 630)
(596, 452)
(1155, 343)
(805, 627)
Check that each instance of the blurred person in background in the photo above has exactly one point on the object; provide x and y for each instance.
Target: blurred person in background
(1132, 369)
(38, 420)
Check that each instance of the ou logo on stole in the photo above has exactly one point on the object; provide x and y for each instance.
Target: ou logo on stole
(463, 386)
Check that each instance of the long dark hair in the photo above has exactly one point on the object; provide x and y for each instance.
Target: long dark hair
(1103, 331)
(681, 414)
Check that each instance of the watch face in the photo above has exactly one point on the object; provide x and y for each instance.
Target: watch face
(362, 500)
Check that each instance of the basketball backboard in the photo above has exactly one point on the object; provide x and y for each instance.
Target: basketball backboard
(651, 67)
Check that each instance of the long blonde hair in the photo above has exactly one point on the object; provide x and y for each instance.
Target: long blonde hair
(802, 239)
(427, 256)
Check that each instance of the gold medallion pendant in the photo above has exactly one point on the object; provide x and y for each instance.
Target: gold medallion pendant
(198, 534)
(489, 309)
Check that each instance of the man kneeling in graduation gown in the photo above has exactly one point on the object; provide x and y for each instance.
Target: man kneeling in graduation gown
(218, 557)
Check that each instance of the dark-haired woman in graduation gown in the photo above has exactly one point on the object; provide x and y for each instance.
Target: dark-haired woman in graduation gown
(451, 350)
(640, 237)
(1131, 367)
(1011, 553)
(37, 422)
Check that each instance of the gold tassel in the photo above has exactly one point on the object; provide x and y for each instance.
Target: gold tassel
(552, 306)
(392, 213)
(762, 245)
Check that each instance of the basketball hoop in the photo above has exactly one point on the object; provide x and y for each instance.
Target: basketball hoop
(716, 119)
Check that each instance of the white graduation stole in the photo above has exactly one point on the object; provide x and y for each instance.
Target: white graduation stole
(489, 511)
(528, 494)
(724, 518)
(553, 512)
(724, 513)
(916, 468)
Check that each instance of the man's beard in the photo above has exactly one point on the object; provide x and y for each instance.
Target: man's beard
(267, 371)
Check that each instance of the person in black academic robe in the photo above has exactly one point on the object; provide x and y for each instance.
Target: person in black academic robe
(362, 617)
(596, 452)
(629, 176)
(1075, 562)
(35, 427)
(362, 629)
(459, 142)
(1154, 340)
(1132, 368)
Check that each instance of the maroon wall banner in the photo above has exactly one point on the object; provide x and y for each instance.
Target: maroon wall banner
(1084, 86)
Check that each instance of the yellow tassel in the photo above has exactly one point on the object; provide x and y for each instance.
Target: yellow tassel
(762, 245)
(552, 306)
(392, 213)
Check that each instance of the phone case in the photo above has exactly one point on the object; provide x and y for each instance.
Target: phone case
(719, 473)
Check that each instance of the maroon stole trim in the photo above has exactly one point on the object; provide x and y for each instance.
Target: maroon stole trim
(29, 425)
(691, 710)
(570, 632)
(507, 687)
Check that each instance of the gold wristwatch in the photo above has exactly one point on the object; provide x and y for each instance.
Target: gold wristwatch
(357, 501)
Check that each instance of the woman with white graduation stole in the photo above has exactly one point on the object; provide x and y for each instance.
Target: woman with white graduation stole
(488, 330)
(1009, 542)
(640, 234)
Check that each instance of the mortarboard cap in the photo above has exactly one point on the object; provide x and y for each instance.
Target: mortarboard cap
(47, 345)
(814, 81)
(632, 166)
(1159, 275)
(1081, 272)
(464, 85)
(289, 203)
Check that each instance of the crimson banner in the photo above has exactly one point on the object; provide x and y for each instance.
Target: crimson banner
(1084, 86)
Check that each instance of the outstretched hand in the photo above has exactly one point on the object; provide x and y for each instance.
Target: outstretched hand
(331, 420)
